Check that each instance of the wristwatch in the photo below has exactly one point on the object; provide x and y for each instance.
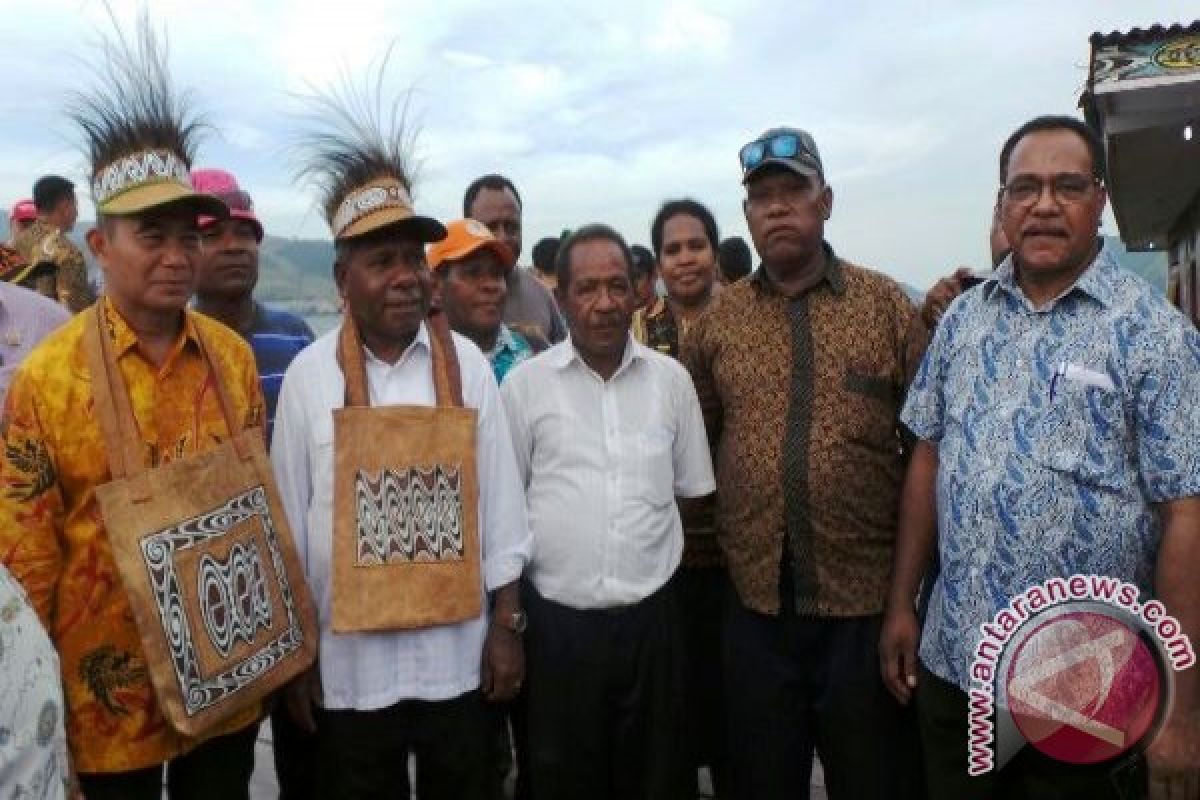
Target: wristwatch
(516, 622)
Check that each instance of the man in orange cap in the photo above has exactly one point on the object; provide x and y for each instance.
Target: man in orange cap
(471, 266)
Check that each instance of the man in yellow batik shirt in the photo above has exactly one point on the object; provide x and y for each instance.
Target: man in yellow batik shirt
(52, 536)
(55, 267)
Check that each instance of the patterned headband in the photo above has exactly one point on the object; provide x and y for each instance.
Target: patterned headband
(367, 200)
(136, 170)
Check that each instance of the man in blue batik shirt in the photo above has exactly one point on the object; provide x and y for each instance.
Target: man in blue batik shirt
(1058, 418)
(225, 285)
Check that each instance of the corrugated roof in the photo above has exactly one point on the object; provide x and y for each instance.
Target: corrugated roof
(1099, 39)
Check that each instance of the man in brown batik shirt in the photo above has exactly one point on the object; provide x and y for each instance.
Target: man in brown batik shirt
(801, 370)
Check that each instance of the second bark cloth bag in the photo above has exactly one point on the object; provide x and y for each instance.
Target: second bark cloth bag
(405, 500)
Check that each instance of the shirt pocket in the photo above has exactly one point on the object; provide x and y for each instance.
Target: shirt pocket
(868, 416)
(1082, 434)
(656, 474)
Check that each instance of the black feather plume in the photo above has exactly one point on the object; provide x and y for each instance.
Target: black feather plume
(352, 135)
(133, 104)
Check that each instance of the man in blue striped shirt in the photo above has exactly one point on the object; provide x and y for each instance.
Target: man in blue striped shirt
(225, 291)
(228, 275)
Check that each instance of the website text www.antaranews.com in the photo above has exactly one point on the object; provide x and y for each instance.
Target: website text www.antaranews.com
(997, 633)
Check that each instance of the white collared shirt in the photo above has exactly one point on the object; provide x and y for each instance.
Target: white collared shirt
(602, 463)
(367, 671)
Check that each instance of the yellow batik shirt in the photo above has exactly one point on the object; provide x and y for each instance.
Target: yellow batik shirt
(52, 537)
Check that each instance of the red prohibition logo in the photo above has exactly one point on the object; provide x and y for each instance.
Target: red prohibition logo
(1084, 686)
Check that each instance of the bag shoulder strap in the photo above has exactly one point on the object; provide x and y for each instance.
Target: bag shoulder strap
(114, 410)
(447, 376)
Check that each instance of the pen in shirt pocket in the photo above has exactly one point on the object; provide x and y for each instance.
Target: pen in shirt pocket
(1059, 372)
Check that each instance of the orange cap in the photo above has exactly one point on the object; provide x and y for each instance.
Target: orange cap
(463, 237)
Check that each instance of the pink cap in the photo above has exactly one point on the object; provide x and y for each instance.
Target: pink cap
(23, 210)
(224, 185)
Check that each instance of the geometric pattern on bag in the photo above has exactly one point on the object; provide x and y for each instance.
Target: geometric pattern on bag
(410, 515)
(239, 591)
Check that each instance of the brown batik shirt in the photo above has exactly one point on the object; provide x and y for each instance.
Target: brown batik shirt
(802, 396)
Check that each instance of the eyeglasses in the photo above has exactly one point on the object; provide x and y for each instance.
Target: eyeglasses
(781, 145)
(1067, 188)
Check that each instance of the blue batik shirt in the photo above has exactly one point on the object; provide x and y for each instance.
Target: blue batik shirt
(276, 337)
(1057, 428)
(511, 348)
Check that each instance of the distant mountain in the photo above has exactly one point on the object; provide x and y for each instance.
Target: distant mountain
(297, 273)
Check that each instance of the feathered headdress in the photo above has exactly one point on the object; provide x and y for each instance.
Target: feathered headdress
(139, 133)
(356, 152)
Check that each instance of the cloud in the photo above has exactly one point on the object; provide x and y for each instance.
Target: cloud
(600, 113)
(465, 60)
(684, 27)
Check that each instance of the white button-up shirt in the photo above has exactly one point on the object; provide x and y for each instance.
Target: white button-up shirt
(366, 671)
(602, 462)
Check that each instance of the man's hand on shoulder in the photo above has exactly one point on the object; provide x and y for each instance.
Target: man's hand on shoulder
(939, 298)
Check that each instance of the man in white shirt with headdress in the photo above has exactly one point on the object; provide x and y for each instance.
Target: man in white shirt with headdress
(413, 568)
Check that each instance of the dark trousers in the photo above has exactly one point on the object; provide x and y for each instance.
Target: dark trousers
(605, 711)
(702, 595)
(296, 757)
(220, 767)
(364, 754)
(942, 711)
(797, 684)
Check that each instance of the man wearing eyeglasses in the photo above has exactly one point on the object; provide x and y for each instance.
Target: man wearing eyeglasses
(801, 369)
(1059, 435)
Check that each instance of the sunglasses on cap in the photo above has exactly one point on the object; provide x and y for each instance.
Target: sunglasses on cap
(779, 145)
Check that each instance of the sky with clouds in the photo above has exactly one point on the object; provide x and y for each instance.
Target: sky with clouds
(599, 112)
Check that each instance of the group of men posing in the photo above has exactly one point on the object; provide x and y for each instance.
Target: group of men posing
(643, 615)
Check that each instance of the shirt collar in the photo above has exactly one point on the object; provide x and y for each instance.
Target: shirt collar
(125, 339)
(1095, 282)
(834, 275)
(420, 340)
(564, 354)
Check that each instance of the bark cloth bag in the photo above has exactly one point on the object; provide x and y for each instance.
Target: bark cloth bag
(206, 557)
(405, 500)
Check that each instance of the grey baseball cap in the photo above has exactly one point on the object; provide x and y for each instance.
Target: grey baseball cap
(790, 148)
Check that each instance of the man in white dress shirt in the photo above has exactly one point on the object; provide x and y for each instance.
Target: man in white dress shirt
(382, 696)
(607, 433)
